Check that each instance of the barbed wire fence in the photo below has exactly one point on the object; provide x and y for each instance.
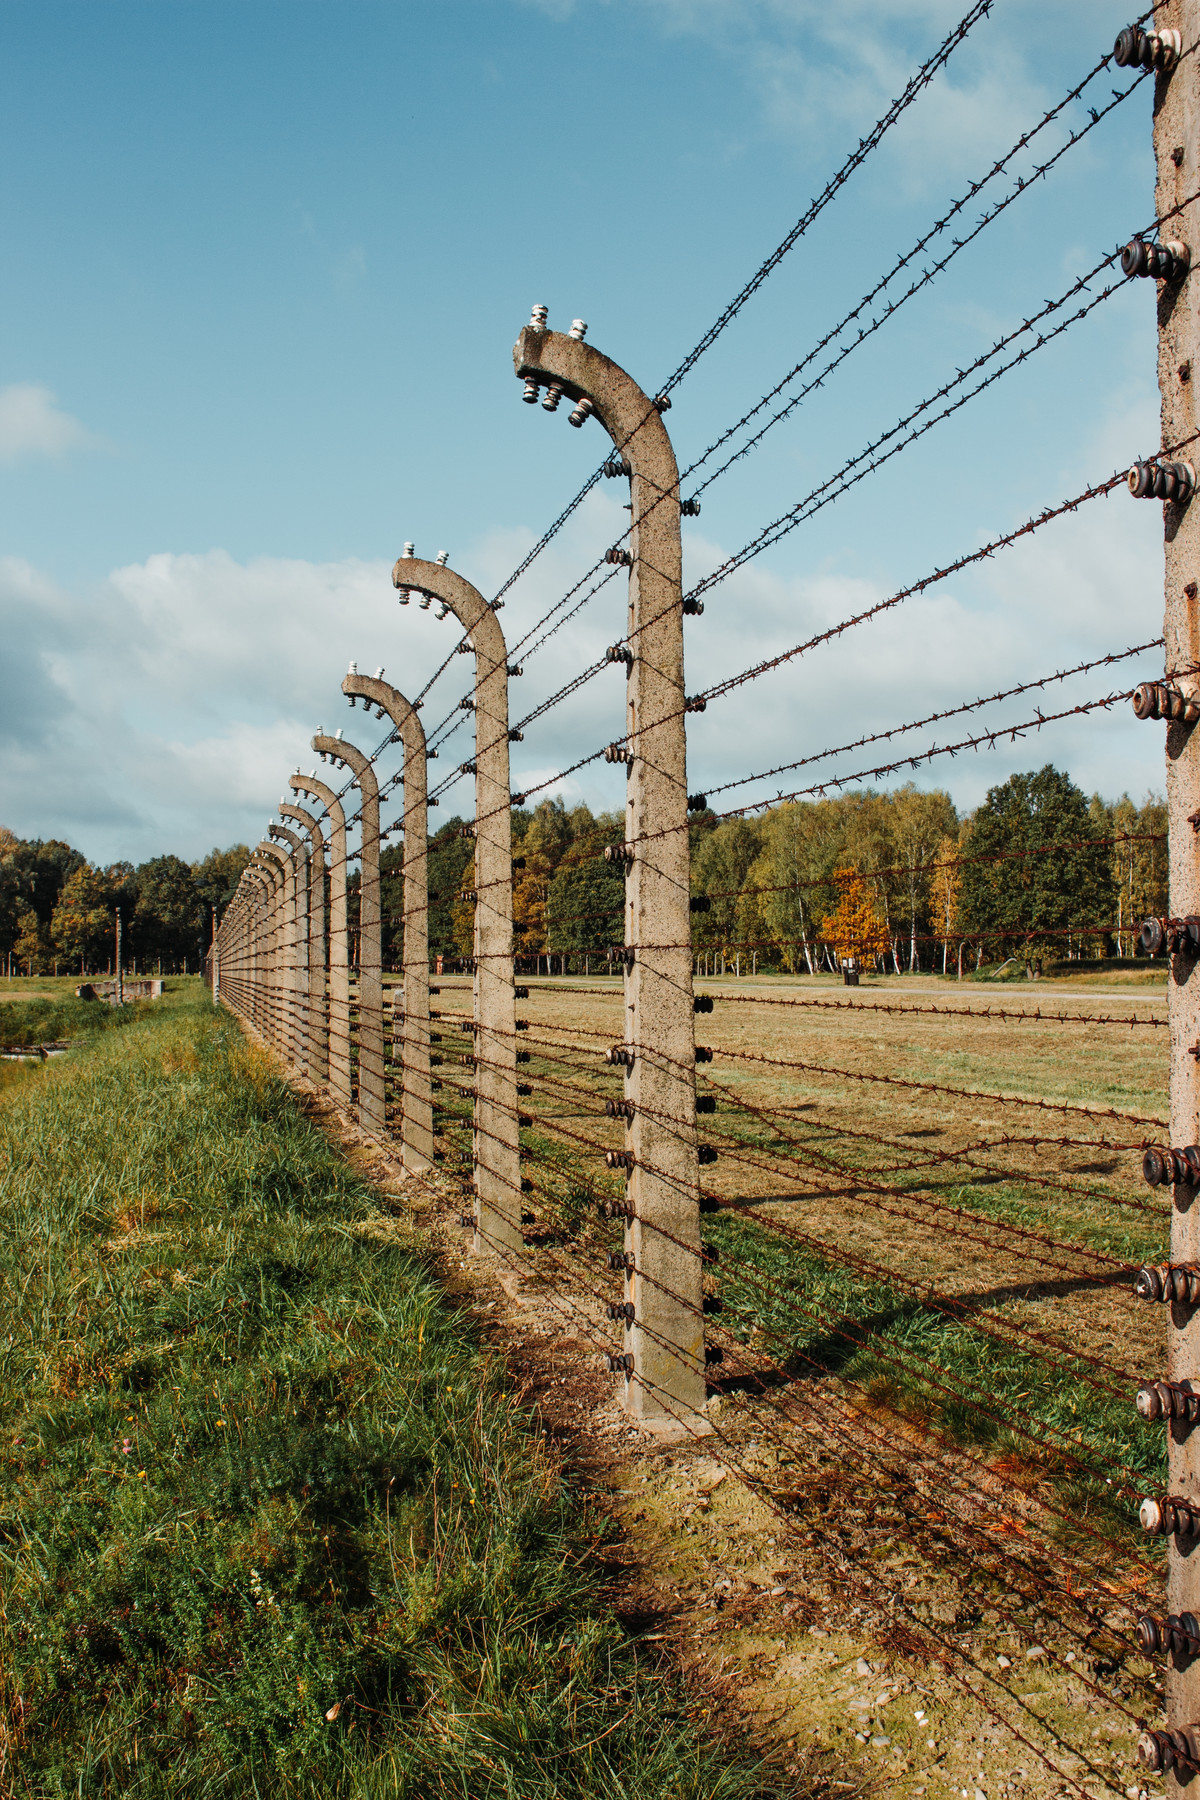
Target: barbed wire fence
(790, 1257)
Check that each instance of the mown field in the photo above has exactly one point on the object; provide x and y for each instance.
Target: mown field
(271, 1522)
(931, 1344)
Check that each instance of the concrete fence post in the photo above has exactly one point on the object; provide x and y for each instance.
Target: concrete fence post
(338, 1015)
(416, 1126)
(666, 1338)
(496, 1153)
(1177, 154)
(317, 1017)
(372, 1104)
(297, 967)
(278, 1026)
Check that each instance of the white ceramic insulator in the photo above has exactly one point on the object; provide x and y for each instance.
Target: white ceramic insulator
(578, 330)
(442, 558)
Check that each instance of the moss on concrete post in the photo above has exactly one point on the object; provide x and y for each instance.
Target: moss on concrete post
(496, 1154)
(416, 1104)
(666, 1339)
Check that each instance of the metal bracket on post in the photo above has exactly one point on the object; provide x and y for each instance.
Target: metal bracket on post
(416, 1125)
(372, 1109)
(666, 1390)
(496, 1151)
(316, 1032)
(337, 1017)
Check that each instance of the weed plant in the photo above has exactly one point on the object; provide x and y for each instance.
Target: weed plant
(271, 1524)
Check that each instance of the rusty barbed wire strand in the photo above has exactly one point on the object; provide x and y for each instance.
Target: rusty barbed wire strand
(943, 573)
(946, 1459)
(940, 1012)
(1024, 687)
(912, 91)
(934, 1087)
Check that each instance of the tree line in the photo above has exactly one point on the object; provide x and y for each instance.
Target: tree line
(899, 880)
(58, 910)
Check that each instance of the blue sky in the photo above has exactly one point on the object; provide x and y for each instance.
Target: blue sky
(265, 266)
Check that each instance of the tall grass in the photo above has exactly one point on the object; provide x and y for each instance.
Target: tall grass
(270, 1522)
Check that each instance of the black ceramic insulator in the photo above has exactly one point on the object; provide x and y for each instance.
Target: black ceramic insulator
(706, 1103)
(706, 1153)
(702, 1004)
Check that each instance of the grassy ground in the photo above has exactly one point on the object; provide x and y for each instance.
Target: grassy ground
(270, 1524)
(849, 1248)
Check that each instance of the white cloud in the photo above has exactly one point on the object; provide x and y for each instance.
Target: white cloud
(164, 708)
(32, 424)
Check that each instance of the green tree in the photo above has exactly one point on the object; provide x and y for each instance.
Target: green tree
(721, 870)
(917, 824)
(449, 855)
(217, 876)
(83, 922)
(170, 917)
(585, 907)
(1059, 889)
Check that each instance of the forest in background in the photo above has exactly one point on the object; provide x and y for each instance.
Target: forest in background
(58, 910)
(898, 880)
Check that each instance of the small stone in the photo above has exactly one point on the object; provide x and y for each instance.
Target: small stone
(1131, 1793)
(863, 1667)
(881, 1743)
(816, 1631)
(1004, 1662)
(979, 1794)
(1034, 1653)
(859, 1738)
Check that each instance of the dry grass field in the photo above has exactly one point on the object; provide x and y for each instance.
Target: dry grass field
(931, 1347)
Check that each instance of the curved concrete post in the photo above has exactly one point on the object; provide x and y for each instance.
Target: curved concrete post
(372, 1105)
(667, 1336)
(278, 1028)
(262, 1014)
(416, 1118)
(297, 963)
(339, 939)
(240, 991)
(316, 1022)
(496, 1153)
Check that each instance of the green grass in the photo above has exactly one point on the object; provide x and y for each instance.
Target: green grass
(258, 1473)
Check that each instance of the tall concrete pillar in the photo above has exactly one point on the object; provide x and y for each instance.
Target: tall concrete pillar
(317, 1018)
(278, 999)
(372, 1101)
(339, 940)
(297, 971)
(496, 1157)
(667, 1336)
(416, 1128)
(1177, 152)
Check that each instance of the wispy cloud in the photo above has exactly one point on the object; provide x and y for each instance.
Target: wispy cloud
(33, 424)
